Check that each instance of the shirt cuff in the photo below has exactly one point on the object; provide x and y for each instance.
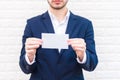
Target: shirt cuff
(27, 60)
(84, 59)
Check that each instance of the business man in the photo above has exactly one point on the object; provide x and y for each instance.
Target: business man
(52, 64)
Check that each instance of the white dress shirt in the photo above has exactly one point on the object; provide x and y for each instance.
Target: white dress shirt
(59, 28)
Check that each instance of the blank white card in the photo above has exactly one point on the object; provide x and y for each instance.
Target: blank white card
(55, 41)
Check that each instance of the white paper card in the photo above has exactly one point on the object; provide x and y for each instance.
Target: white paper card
(55, 41)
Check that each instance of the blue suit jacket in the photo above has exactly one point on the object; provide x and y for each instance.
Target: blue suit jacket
(49, 63)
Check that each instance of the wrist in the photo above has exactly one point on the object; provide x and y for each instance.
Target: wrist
(80, 55)
(30, 57)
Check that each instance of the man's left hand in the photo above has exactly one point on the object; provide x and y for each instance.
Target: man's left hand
(79, 46)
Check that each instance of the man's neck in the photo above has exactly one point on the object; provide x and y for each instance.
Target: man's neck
(59, 14)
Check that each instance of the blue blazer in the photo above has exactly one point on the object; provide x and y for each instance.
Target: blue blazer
(49, 63)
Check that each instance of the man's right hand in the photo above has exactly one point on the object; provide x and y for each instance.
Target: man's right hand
(31, 45)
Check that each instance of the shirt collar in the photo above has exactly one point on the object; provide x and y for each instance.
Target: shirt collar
(53, 17)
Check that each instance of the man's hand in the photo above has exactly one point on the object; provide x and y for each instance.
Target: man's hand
(31, 45)
(79, 46)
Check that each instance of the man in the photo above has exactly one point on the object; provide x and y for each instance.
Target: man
(52, 64)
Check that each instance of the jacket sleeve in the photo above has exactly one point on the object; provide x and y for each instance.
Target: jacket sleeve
(92, 59)
(26, 68)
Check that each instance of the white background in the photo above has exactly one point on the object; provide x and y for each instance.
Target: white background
(105, 15)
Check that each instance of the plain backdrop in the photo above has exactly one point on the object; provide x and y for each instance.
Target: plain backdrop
(105, 15)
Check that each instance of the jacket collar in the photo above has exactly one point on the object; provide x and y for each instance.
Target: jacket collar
(49, 27)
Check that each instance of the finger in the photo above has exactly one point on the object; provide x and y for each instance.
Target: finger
(79, 49)
(32, 51)
(79, 46)
(32, 41)
(76, 41)
(28, 47)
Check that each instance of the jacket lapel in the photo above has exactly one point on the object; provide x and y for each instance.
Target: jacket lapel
(71, 24)
(47, 22)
